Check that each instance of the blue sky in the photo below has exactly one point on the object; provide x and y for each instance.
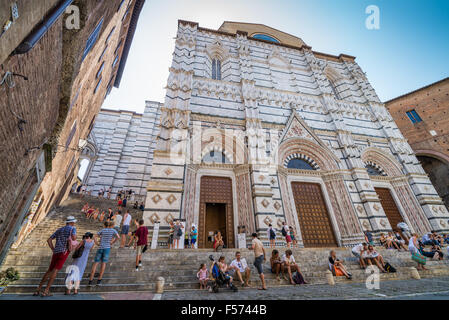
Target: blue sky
(410, 50)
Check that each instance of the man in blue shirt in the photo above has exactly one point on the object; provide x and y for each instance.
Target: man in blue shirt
(60, 254)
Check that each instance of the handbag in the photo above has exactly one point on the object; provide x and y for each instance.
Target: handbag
(419, 258)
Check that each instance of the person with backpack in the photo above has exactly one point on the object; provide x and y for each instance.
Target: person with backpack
(177, 234)
(80, 256)
(290, 266)
(286, 233)
(65, 238)
(271, 233)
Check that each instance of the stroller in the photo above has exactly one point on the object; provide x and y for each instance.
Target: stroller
(220, 279)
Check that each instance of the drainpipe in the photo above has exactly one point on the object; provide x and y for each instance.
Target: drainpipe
(38, 32)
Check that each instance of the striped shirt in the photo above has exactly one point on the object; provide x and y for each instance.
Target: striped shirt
(62, 236)
(106, 235)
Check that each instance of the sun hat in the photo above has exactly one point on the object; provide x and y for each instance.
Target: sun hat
(70, 219)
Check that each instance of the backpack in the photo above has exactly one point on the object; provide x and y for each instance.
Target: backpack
(284, 233)
(298, 279)
(179, 232)
(389, 268)
(272, 233)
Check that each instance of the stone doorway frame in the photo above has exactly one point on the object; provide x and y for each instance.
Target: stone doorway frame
(223, 171)
(330, 210)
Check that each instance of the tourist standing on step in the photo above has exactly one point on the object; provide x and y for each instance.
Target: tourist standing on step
(125, 200)
(193, 236)
(105, 238)
(177, 234)
(109, 193)
(125, 228)
(65, 237)
(118, 221)
(80, 262)
(259, 255)
(286, 233)
(271, 234)
(142, 241)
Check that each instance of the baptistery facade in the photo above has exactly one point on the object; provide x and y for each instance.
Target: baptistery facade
(259, 129)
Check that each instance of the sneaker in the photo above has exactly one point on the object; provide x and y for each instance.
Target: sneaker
(140, 264)
(99, 282)
(90, 283)
(137, 268)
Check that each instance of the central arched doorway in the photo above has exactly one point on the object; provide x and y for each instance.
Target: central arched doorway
(216, 211)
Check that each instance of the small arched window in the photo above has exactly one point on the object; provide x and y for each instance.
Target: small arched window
(373, 171)
(216, 69)
(299, 164)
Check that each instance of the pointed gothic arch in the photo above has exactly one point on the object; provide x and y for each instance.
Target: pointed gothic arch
(381, 159)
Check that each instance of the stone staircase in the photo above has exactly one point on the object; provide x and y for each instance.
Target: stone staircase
(178, 267)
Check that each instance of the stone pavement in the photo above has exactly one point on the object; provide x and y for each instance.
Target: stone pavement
(435, 288)
(84, 296)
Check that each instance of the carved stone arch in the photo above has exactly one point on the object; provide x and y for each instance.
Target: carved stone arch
(385, 161)
(216, 148)
(301, 156)
(322, 157)
(336, 81)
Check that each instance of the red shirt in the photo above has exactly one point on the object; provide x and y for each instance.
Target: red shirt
(142, 233)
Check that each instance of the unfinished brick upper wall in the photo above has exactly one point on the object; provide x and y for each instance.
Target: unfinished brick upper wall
(432, 105)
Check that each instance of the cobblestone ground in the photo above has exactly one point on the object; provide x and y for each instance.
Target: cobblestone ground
(436, 288)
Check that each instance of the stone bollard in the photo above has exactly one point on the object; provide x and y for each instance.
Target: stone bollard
(160, 285)
(414, 273)
(330, 278)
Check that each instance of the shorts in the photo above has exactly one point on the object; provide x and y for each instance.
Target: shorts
(102, 255)
(58, 260)
(258, 264)
(356, 254)
(192, 241)
(288, 238)
(125, 230)
(139, 250)
(170, 239)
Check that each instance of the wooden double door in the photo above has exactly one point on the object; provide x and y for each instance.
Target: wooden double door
(313, 216)
(216, 211)
(389, 205)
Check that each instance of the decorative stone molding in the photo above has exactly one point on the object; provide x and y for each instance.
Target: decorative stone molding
(154, 218)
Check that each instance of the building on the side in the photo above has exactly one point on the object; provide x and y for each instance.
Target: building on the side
(257, 128)
(423, 118)
(125, 142)
(59, 61)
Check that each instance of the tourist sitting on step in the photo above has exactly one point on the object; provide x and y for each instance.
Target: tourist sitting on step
(373, 257)
(96, 214)
(290, 266)
(239, 267)
(429, 239)
(90, 211)
(358, 251)
(434, 253)
(224, 267)
(393, 240)
(438, 237)
(85, 208)
(446, 238)
(399, 241)
(276, 263)
(336, 266)
(101, 216)
(203, 276)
